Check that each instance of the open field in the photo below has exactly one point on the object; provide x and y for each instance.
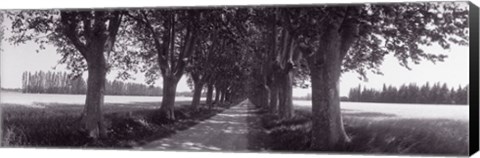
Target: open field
(381, 128)
(52, 120)
(406, 111)
(370, 135)
(35, 100)
(401, 111)
(129, 121)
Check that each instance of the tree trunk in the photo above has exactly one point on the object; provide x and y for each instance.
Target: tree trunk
(327, 128)
(197, 93)
(264, 96)
(168, 100)
(327, 125)
(285, 95)
(223, 95)
(273, 106)
(209, 95)
(220, 97)
(94, 101)
(217, 95)
(227, 96)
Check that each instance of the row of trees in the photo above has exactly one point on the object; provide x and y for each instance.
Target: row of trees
(117, 87)
(411, 93)
(291, 45)
(62, 83)
(52, 82)
(256, 52)
(203, 44)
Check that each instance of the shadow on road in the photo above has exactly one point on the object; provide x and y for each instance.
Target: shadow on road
(235, 129)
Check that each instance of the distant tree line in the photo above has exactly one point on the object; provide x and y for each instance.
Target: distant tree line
(62, 83)
(124, 88)
(411, 93)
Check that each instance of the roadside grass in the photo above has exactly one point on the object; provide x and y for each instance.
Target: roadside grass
(372, 133)
(127, 125)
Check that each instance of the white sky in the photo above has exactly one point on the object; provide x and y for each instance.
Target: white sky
(454, 71)
(17, 59)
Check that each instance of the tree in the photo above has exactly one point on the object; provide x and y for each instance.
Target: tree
(343, 38)
(276, 60)
(258, 45)
(462, 95)
(80, 36)
(444, 94)
(167, 39)
(1, 29)
(228, 52)
(424, 93)
(203, 67)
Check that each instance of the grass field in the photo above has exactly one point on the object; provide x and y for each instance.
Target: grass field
(45, 120)
(128, 124)
(372, 135)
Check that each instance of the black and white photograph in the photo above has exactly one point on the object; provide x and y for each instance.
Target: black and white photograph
(360, 78)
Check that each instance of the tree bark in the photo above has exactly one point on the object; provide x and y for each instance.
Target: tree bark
(168, 99)
(285, 95)
(327, 126)
(197, 93)
(93, 118)
(209, 95)
(264, 95)
(273, 106)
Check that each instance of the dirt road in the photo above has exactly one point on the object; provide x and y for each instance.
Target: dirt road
(235, 129)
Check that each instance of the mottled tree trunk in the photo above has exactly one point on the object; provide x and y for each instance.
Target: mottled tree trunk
(209, 95)
(94, 100)
(285, 95)
(328, 130)
(273, 105)
(197, 93)
(168, 99)
(327, 125)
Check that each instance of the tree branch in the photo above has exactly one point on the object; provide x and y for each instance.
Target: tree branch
(349, 31)
(160, 57)
(69, 30)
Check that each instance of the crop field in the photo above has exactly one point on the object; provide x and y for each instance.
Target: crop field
(373, 127)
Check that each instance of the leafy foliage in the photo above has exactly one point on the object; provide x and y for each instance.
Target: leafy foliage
(402, 29)
(380, 29)
(72, 32)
